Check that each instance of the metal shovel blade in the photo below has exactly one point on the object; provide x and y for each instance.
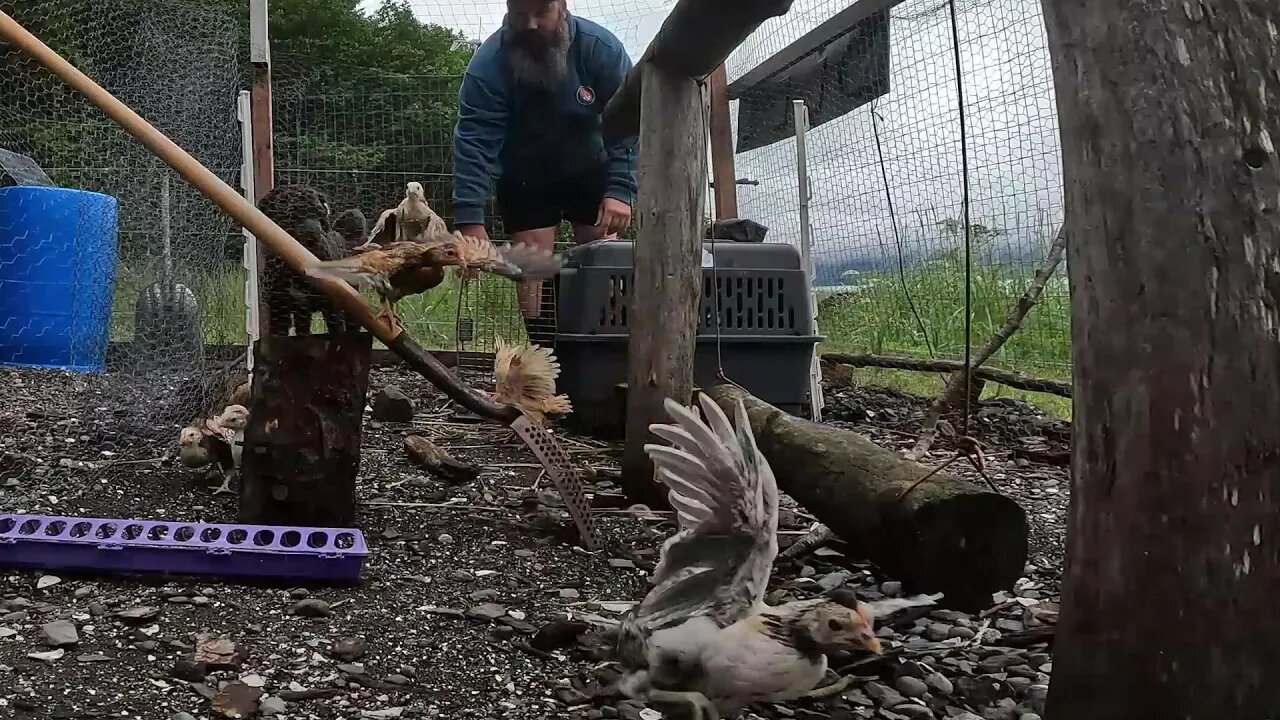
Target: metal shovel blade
(567, 478)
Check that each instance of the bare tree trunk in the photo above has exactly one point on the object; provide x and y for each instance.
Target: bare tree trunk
(953, 392)
(1169, 119)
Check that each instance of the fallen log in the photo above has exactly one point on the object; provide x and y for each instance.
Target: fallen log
(948, 535)
(430, 457)
(1020, 381)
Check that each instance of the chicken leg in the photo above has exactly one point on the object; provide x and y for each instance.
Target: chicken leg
(702, 708)
(387, 313)
(225, 487)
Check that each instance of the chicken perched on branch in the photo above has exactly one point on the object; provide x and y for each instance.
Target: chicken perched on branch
(215, 441)
(412, 220)
(525, 376)
(704, 635)
(396, 269)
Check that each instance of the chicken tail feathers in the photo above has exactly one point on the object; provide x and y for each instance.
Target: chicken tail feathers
(347, 269)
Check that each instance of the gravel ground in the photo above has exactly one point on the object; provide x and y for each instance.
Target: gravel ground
(471, 604)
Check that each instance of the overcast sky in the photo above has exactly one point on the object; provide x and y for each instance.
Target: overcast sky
(1014, 163)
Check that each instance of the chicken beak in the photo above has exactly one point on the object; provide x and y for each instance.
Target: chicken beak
(873, 645)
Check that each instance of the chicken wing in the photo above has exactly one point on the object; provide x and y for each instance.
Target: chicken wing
(381, 267)
(703, 635)
(525, 376)
(412, 220)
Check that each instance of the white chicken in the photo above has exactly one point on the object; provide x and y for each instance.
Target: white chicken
(218, 441)
(412, 220)
(703, 635)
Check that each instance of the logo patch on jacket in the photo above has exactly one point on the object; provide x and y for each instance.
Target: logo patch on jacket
(586, 95)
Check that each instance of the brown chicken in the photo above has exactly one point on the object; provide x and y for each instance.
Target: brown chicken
(399, 269)
(525, 376)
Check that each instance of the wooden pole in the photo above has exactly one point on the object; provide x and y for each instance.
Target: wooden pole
(663, 306)
(723, 175)
(1172, 182)
(261, 129)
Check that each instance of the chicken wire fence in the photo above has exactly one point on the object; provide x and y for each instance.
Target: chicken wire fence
(108, 260)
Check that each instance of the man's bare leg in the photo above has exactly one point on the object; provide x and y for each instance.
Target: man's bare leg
(529, 294)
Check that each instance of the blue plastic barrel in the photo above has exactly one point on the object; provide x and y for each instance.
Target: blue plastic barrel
(57, 273)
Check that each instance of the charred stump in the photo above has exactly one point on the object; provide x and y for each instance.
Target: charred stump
(947, 535)
(302, 444)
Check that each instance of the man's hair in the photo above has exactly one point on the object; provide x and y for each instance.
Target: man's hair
(535, 59)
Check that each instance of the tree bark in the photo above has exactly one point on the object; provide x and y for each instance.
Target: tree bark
(302, 445)
(947, 535)
(1168, 118)
(667, 265)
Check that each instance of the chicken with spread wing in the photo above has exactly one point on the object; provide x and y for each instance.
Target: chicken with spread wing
(525, 376)
(396, 270)
(216, 441)
(703, 635)
(412, 220)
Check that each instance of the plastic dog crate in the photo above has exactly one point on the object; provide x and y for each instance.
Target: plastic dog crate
(767, 336)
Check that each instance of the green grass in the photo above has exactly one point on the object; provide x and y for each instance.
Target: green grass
(875, 318)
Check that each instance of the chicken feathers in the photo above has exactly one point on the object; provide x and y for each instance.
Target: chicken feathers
(703, 634)
(525, 376)
(412, 220)
(216, 440)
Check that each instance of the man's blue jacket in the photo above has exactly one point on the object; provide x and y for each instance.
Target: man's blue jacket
(507, 131)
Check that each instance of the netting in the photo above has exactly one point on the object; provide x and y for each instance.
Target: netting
(115, 265)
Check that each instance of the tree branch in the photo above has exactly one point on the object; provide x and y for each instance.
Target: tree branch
(953, 392)
(1018, 380)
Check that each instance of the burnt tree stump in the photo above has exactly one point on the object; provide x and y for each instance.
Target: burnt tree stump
(302, 444)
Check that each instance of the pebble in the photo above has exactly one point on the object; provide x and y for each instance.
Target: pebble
(884, 695)
(892, 588)
(1028, 716)
(622, 563)
(937, 632)
(47, 581)
(569, 594)
(834, 580)
(311, 608)
(83, 592)
(939, 683)
(273, 706)
(911, 687)
(487, 611)
(60, 633)
(963, 633)
(808, 571)
(445, 539)
(349, 649)
(390, 404)
(911, 710)
(182, 716)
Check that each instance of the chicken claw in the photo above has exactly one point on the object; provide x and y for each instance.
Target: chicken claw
(702, 708)
(387, 314)
(225, 487)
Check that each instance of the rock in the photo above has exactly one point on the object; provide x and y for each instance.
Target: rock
(182, 716)
(1028, 716)
(139, 614)
(311, 608)
(487, 611)
(47, 581)
(557, 635)
(349, 649)
(884, 695)
(218, 653)
(963, 633)
(236, 700)
(834, 580)
(937, 632)
(622, 563)
(48, 655)
(254, 680)
(273, 706)
(60, 633)
(1009, 626)
(939, 683)
(569, 594)
(911, 687)
(189, 670)
(978, 690)
(917, 712)
(390, 404)
(893, 588)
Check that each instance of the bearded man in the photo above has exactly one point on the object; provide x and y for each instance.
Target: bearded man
(529, 120)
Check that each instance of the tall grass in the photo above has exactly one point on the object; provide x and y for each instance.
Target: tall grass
(876, 317)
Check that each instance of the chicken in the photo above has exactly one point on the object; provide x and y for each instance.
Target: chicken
(703, 635)
(412, 220)
(215, 441)
(290, 299)
(398, 269)
(525, 376)
(350, 228)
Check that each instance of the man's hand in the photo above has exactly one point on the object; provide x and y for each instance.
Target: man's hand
(475, 231)
(614, 216)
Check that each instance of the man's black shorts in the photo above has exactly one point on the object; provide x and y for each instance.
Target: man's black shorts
(529, 204)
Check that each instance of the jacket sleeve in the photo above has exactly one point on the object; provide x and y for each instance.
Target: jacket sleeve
(613, 64)
(477, 143)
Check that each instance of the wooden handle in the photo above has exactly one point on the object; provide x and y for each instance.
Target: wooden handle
(212, 186)
(283, 244)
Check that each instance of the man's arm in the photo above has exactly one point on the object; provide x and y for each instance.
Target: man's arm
(477, 142)
(613, 64)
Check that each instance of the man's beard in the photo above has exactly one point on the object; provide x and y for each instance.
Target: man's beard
(539, 60)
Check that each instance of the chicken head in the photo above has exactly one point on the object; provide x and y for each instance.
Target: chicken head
(832, 627)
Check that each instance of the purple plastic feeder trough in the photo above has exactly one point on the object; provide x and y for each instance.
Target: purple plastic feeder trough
(48, 542)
